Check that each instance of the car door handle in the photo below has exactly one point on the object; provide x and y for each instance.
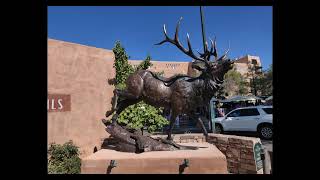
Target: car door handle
(256, 118)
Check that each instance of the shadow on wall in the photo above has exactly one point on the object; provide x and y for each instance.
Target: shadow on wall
(111, 81)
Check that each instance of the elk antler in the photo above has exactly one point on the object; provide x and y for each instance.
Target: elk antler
(213, 47)
(213, 50)
(177, 43)
(225, 54)
(204, 57)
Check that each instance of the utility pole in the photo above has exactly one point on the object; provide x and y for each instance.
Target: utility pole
(203, 31)
(212, 103)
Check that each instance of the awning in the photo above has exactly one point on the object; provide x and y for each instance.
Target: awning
(269, 98)
(241, 98)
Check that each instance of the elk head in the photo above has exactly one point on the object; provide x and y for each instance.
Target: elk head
(216, 69)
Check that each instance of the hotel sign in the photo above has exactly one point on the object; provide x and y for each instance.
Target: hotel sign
(59, 102)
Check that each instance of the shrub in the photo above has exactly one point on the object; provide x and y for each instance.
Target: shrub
(64, 159)
(142, 115)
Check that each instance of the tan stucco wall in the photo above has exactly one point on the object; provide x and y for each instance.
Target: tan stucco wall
(82, 72)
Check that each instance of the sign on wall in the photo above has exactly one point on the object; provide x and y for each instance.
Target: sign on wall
(257, 156)
(59, 102)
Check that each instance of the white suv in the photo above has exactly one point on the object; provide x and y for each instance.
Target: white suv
(254, 118)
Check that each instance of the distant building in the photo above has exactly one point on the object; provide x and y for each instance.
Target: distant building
(243, 64)
(168, 67)
(249, 67)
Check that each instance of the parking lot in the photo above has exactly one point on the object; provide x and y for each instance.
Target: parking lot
(267, 145)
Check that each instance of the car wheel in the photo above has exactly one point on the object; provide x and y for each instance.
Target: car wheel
(266, 132)
(218, 129)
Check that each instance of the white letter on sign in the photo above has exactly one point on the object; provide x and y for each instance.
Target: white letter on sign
(60, 104)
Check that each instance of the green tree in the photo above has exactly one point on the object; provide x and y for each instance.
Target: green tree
(254, 74)
(145, 64)
(264, 82)
(243, 87)
(234, 84)
(122, 66)
(141, 114)
(161, 73)
(269, 79)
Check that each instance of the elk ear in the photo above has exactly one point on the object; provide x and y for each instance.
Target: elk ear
(199, 65)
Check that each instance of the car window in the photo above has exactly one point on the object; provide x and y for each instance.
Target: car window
(234, 114)
(267, 110)
(249, 112)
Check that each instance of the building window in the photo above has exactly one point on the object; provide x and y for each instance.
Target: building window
(173, 66)
(254, 61)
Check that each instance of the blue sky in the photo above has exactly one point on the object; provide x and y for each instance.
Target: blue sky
(248, 28)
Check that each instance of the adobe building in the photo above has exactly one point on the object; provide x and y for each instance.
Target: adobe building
(242, 65)
(167, 67)
(79, 94)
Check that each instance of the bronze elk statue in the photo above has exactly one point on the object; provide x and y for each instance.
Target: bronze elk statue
(180, 94)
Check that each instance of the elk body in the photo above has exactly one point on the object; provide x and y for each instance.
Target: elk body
(182, 95)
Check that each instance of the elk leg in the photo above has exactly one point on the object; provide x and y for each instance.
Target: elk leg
(172, 121)
(115, 100)
(202, 127)
(122, 94)
(114, 103)
(126, 94)
(122, 106)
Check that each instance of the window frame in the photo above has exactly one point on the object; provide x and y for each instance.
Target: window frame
(263, 109)
(247, 109)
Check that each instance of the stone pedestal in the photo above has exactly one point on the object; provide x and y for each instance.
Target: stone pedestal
(209, 160)
(239, 150)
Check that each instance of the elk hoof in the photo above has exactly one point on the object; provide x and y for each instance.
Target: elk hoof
(106, 122)
(108, 113)
(169, 138)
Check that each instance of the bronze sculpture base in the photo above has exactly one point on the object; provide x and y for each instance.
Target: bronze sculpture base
(207, 160)
(130, 140)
